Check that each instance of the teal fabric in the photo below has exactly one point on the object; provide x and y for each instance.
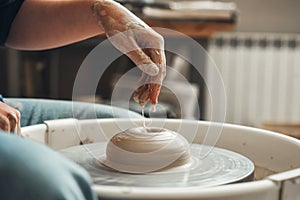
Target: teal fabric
(35, 111)
(31, 171)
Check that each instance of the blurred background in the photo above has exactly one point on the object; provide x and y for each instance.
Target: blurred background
(255, 45)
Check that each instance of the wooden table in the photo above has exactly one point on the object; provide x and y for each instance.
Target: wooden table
(192, 28)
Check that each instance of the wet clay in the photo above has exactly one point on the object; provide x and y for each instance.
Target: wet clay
(146, 149)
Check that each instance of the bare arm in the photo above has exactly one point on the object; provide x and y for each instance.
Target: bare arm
(44, 24)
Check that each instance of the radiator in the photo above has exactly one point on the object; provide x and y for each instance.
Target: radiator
(261, 75)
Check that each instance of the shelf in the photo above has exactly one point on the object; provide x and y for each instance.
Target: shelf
(192, 28)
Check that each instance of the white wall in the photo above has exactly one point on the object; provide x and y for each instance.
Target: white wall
(281, 16)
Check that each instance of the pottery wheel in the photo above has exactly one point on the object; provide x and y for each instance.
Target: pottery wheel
(219, 167)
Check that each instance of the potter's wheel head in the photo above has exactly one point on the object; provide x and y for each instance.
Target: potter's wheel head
(219, 167)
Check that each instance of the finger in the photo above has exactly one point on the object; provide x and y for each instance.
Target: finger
(141, 95)
(15, 119)
(158, 57)
(18, 128)
(4, 123)
(18, 131)
(12, 117)
(143, 62)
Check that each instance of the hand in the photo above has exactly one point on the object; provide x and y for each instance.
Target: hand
(139, 42)
(9, 119)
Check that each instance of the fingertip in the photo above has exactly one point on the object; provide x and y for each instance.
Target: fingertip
(18, 114)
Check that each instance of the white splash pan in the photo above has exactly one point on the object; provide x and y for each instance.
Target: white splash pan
(276, 156)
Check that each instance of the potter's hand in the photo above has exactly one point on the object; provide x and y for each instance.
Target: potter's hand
(139, 42)
(9, 119)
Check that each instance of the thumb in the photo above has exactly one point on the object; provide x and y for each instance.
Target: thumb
(143, 62)
(126, 43)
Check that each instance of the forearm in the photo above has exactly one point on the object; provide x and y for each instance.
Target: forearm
(44, 24)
